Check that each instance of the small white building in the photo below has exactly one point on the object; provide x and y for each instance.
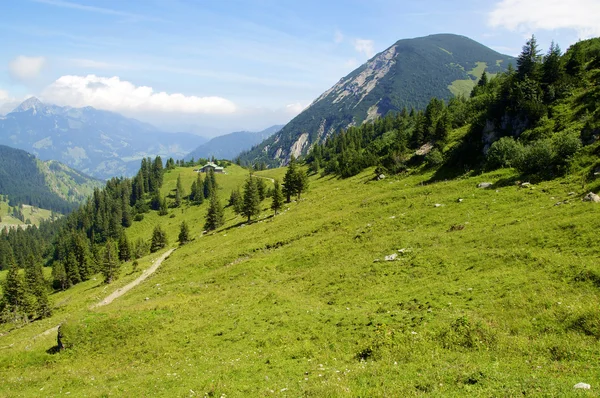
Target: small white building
(211, 165)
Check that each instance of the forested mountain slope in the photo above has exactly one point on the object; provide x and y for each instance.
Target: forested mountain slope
(406, 75)
(49, 185)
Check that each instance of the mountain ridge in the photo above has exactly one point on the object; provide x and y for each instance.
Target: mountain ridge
(100, 143)
(228, 146)
(405, 75)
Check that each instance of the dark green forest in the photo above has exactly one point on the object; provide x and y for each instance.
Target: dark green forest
(22, 181)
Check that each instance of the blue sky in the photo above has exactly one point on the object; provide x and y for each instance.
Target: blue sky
(217, 66)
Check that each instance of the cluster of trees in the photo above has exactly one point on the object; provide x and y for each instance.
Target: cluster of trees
(20, 244)
(24, 295)
(526, 106)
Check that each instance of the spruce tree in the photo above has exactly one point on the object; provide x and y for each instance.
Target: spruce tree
(236, 200)
(277, 203)
(207, 187)
(164, 208)
(13, 292)
(159, 239)
(184, 233)
(289, 180)
(179, 193)
(124, 248)
(261, 186)
(529, 59)
(110, 265)
(59, 275)
(36, 287)
(251, 206)
(214, 216)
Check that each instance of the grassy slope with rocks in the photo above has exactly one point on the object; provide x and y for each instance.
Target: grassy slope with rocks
(497, 293)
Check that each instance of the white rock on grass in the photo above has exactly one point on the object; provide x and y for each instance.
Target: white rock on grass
(437, 205)
(391, 257)
(484, 185)
(582, 386)
(591, 197)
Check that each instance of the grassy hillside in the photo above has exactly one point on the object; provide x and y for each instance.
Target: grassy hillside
(31, 213)
(494, 293)
(50, 185)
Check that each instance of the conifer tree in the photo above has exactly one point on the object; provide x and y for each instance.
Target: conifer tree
(214, 216)
(13, 292)
(289, 180)
(207, 187)
(159, 239)
(124, 248)
(164, 208)
(277, 203)
(179, 193)
(251, 205)
(236, 201)
(184, 233)
(529, 59)
(72, 269)
(261, 186)
(59, 275)
(552, 69)
(36, 287)
(111, 265)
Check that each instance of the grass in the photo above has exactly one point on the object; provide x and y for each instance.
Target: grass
(465, 86)
(34, 214)
(494, 295)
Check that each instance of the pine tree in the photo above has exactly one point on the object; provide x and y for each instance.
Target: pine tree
(552, 69)
(251, 206)
(164, 208)
(124, 248)
(179, 193)
(59, 275)
(110, 265)
(529, 59)
(72, 269)
(214, 216)
(207, 187)
(261, 186)
(289, 180)
(301, 182)
(277, 203)
(184, 233)
(13, 292)
(36, 287)
(159, 239)
(236, 200)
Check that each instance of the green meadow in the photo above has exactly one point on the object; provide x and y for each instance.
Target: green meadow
(489, 292)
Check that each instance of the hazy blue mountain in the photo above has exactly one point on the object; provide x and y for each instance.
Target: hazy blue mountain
(406, 75)
(229, 146)
(100, 143)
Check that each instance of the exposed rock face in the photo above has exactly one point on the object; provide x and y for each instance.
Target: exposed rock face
(299, 145)
(405, 75)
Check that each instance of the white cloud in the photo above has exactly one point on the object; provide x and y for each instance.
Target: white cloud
(365, 46)
(117, 95)
(90, 63)
(338, 36)
(530, 15)
(26, 68)
(295, 108)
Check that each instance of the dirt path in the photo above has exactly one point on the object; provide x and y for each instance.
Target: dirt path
(121, 291)
(117, 293)
(266, 178)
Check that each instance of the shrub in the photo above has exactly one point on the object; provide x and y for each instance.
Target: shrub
(506, 152)
(434, 158)
(537, 158)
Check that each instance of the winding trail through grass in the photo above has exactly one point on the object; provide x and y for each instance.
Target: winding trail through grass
(121, 291)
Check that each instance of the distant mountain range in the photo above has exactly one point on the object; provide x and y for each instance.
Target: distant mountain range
(49, 185)
(406, 75)
(100, 143)
(229, 146)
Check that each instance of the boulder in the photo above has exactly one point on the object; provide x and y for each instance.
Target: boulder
(391, 257)
(484, 185)
(582, 386)
(380, 177)
(437, 205)
(591, 197)
(525, 185)
(459, 200)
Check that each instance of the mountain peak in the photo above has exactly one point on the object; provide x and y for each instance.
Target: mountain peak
(30, 103)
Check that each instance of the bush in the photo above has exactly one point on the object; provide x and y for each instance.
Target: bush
(537, 158)
(138, 217)
(434, 158)
(506, 152)
(565, 145)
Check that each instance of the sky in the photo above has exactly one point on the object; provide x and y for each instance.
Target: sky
(212, 67)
